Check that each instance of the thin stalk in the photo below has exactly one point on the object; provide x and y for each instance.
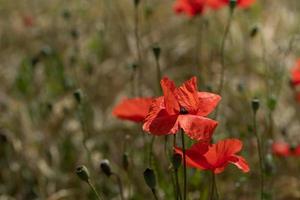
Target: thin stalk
(222, 51)
(94, 190)
(212, 186)
(184, 167)
(154, 194)
(138, 48)
(260, 155)
(120, 185)
(151, 150)
(158, 75)
(178, 191)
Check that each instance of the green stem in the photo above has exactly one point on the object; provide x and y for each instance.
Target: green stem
(260, 155)
(94, 190)
(120, 186)
(178, 191)
(138, 48)
(154, 194)
(158, 75)
(214, 188)
(151, 150)
(222, 52)
(184, 167)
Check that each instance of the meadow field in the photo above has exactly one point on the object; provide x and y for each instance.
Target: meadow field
(150, 99)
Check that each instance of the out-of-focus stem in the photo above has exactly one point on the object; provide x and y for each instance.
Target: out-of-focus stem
(260, 155)
(138, 48)
(120, 185)
(95, 191)
(184, 167)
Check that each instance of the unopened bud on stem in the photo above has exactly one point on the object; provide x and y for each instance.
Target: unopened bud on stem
(83, 173)
(105, 167)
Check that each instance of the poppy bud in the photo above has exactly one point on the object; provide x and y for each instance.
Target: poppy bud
(66, 14)
(150, 179)
(272, 103)
(232, 4)
(78, 95)
(136, 3)
(3, 138)
(156, 51)
(176, 161)
(83, 173)
(125, 161)
(105, 167)
(74, 33)
(255, 104)
(254, 31)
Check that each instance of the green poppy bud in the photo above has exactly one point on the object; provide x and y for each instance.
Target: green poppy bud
(83, 173)
(156, 51)
(78, 95)
(105, 167)
(176, 161)
(255, 104)
(136, 3)
(272, 101)
(150, 178)
(125, 161)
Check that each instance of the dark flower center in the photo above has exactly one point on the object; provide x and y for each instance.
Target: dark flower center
(183, 111)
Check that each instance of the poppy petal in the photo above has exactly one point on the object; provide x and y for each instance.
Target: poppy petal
(187, 95)
(207, 103)
(193, 158)
(170, 100)
(240, 162)
(281, 149)
(197, 127)
(135, 109)
(245, 3)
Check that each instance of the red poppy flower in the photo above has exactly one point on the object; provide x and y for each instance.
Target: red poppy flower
(284, 149)
(215, 157)
(295, 74)
(183, 107)
(216, 4)
(189, 7)
(135, 109)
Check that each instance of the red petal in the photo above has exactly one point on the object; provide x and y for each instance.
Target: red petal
(240, 162)
(158, 121)
(216, 4)
(187, 95)
(245, 3)
(221, 153)
(297, 151)
(281, 149)
(207, 103)
(197, 127)
(170, 100)
(135, 109)
(195, 158)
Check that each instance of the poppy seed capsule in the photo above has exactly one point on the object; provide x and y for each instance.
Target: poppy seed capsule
(255, 104)
(105, 167)
(136, 2)
(150, 179)
(156, 52)
(125, 161)
(176, 161)
(83, 173)
(77, 95)
(254, 31)
(232, 4)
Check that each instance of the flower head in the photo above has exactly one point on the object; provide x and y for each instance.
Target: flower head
(215, 157)
(189, 7)
(183, 107)
(284, 149)
(295, 74)
(135, 109)
(217, 4)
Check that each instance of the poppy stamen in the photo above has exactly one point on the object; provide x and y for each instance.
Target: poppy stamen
(183, 111)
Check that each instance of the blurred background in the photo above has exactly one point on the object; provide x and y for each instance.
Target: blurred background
(66, 64)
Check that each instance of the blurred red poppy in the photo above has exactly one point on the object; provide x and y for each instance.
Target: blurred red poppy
(284, 149)
(189, 7)
(295, 74)
(183, 107)
(28, 21)
(216, 4)
(135, 109)
(215, 157)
